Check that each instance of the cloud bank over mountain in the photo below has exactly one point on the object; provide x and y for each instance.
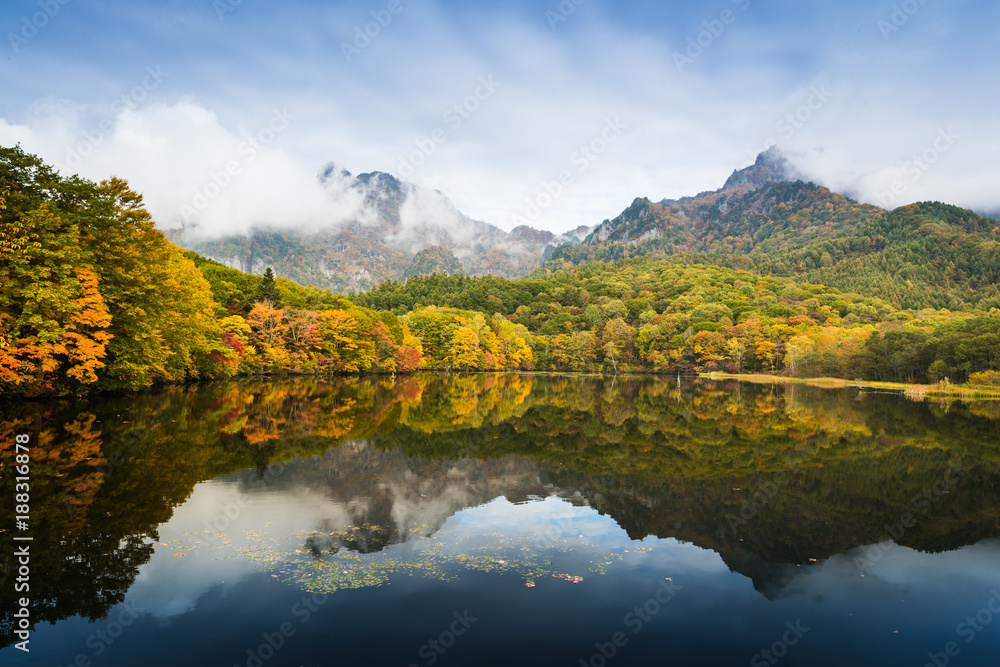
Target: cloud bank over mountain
(890, 103)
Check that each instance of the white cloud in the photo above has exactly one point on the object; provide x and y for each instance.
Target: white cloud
(687, 130)
(192, 169)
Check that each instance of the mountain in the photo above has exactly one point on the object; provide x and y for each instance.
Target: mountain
(771, 166)
(927, 255)
(400, 230)
(759, 208)
(763, 218)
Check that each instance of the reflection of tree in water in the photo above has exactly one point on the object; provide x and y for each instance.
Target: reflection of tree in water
(682, 468)
(92, 524)
(105, 474)
(766, 524)
(660, 459)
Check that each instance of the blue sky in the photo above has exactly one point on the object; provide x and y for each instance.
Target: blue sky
(566, 111)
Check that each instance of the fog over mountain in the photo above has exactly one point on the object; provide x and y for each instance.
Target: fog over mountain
(768, 210)
(866, 99)
(376, 227)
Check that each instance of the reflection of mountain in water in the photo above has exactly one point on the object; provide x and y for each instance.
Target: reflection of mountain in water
(384, 497)
(828, 471)
(763, 525)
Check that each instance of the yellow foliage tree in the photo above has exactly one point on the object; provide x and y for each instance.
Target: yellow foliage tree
(464, 352)
(86, 336)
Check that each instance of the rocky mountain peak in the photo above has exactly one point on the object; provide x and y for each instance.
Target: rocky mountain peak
(400, 229)
(525, 233)
(771, 166)
(331, 170)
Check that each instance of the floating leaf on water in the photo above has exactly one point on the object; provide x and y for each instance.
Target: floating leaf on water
(442, 556)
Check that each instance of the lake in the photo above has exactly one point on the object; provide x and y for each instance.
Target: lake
(508, 520)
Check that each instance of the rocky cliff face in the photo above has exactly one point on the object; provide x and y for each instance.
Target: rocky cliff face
(747, 209)
(400, 230)
(771, 166)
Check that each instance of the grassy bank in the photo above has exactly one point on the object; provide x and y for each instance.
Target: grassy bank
(914, 391)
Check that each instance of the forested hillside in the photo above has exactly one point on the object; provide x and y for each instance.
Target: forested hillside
(650, 315)
(93, 297)
(927, 255)
(400, 230)
(921, 255)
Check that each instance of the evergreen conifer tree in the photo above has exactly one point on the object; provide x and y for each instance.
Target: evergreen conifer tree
(268, 291)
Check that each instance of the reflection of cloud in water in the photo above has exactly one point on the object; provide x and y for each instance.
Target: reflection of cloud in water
(498, 537)
(195, 551)
(385, 497)
(551, 518)
(191, 557)
(899, 572)
(555, 523)
(376, 512)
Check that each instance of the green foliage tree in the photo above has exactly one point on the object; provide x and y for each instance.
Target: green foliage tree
(92, 294)
(268, 290)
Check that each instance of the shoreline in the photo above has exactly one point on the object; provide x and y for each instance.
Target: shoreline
(914, 391)
(940, 391)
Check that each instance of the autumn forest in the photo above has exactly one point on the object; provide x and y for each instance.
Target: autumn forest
(94, 298)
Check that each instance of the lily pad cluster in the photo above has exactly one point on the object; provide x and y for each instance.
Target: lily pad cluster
(445, 556)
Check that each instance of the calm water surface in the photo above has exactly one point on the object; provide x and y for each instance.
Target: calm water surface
(509, 520)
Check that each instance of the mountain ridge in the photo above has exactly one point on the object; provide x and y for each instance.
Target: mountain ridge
(919, 255)
(400, 230)
(764, 218)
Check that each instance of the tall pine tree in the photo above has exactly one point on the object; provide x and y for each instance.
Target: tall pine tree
(268, 291)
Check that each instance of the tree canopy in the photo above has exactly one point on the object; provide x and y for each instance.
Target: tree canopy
(93, 296)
